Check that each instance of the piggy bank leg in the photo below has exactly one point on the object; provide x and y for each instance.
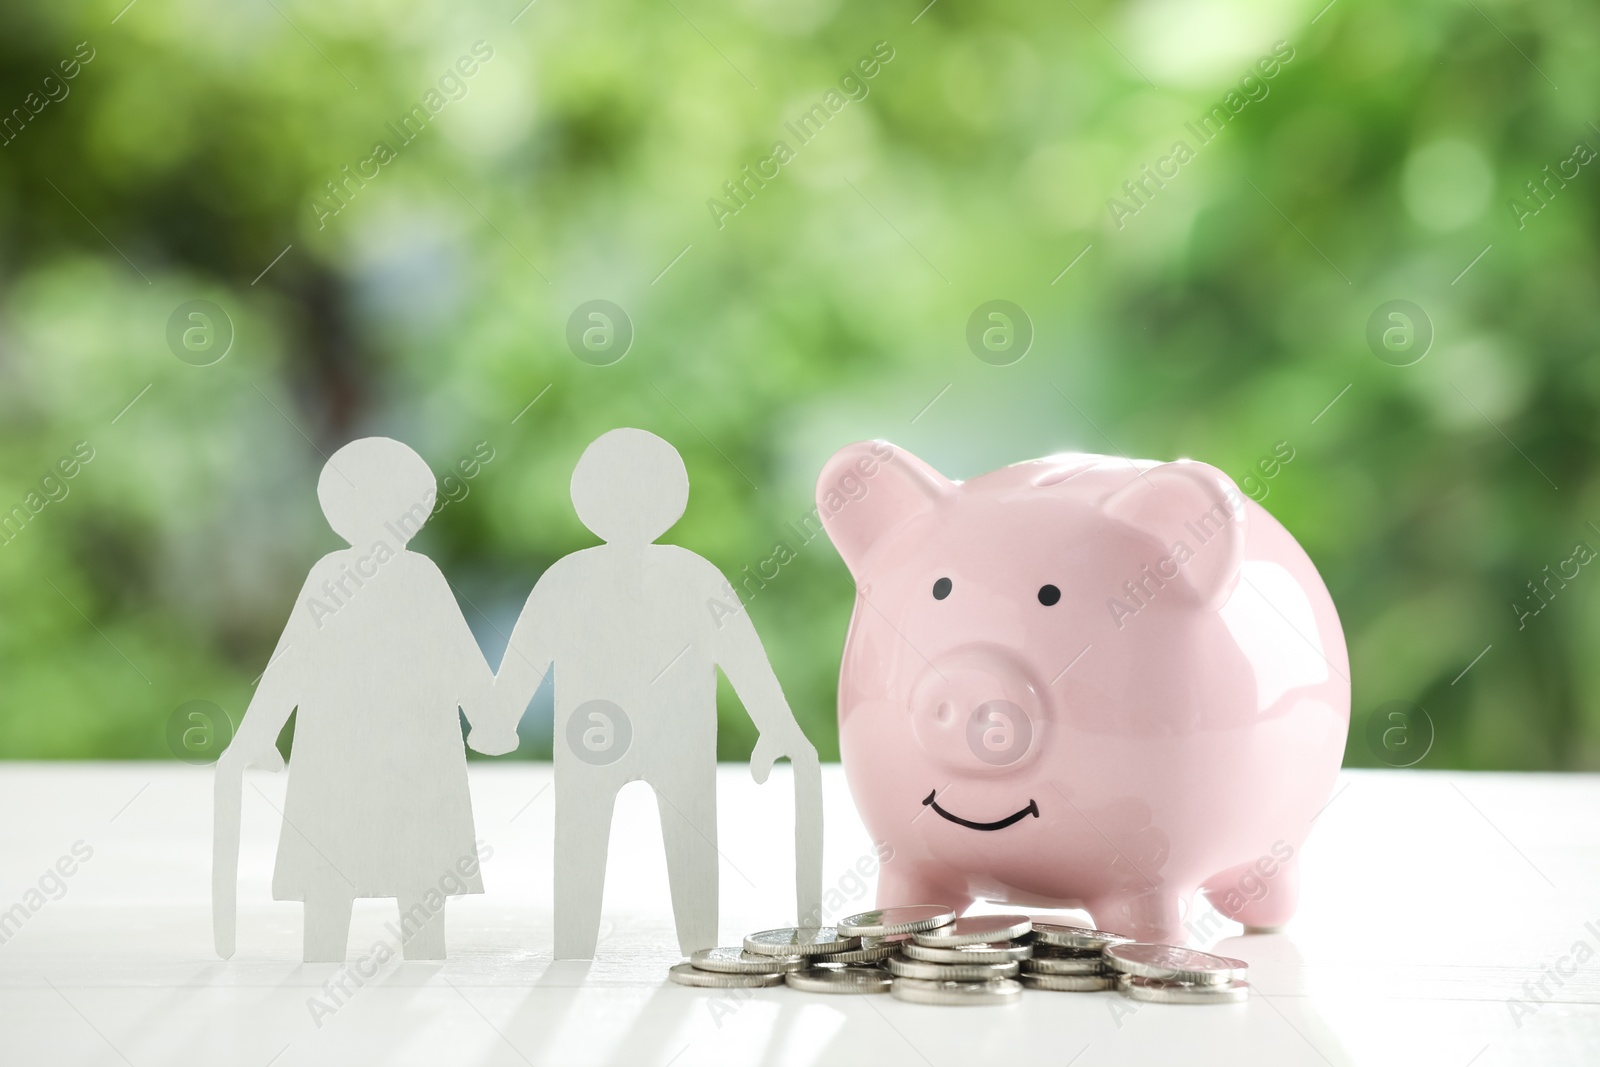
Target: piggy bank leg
(1145, 915)
(689, 832)
(1249, 894)
(902, 883)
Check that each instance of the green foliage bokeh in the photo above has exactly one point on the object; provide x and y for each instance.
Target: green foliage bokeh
(1219, 320)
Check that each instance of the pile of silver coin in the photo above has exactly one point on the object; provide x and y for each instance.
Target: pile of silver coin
(923, 953)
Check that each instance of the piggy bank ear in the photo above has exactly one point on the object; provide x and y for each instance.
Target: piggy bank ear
(870, 488)
(1197, 514)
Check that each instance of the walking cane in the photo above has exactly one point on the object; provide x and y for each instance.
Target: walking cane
(808, 839)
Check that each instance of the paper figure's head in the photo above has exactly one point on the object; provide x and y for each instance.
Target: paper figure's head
(630, 486)
(376, 489)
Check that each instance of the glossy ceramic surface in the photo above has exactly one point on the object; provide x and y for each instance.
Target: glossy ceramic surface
(1083, 682)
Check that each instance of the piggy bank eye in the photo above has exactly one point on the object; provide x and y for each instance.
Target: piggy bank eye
(941, 589)
(1048, 595)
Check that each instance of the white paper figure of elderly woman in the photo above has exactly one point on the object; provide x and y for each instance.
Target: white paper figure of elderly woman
(377, 658)
(636, 632)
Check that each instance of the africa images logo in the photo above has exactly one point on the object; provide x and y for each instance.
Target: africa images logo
(742, 190)
(451, 87)
(1141, 190)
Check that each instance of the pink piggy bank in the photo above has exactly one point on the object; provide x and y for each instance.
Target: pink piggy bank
(1083, 682)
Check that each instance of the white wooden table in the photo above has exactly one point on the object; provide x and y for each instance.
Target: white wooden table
(1430, 900)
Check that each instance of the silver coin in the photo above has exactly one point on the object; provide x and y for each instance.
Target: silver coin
(864, 954)
(840, 980)
(968, 954)
(1158, 992)
(802, 941)
(952, 972)
(1169, 963)
(738, 961)
(689, 974)
(975, 930)
(868, 941)
(1078, 937)
(1065, 965)
(999, 991)
(1069, 983)
(1055, 952)
(903, 920)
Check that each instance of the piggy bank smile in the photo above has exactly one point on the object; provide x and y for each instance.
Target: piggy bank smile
(999, 824)
(1136, 642)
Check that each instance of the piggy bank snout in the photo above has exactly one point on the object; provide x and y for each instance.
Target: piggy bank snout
(977, 713)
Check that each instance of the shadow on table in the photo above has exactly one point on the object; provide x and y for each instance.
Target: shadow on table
(550, 1023)
(672, 1010)
(571, 1014)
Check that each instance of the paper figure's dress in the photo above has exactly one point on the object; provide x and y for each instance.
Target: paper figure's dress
(377, 792)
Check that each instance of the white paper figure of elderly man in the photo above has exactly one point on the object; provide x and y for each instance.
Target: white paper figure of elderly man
(377, 658)
(636, 632)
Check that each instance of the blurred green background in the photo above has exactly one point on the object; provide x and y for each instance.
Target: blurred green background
(1216, 315)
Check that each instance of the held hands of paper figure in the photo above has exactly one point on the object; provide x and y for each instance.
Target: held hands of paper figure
(495, 733)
